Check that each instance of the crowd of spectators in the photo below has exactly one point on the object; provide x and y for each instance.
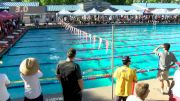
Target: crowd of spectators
(123, 19)
(7, 27)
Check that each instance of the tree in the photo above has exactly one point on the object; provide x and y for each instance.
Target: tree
(78, 1)
(29, 0)
(151, 1)
(45, 2)
(128, 2)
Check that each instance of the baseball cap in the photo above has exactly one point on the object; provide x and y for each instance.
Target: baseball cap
(126, 58)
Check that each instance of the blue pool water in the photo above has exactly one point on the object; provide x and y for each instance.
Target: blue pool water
(50, 45)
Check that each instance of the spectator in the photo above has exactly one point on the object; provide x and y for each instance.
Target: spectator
(30, 73)
(125, 78)
(142, 91)
(174, 90)
(69, 74)
(4, 82)
(47, 20)
(166, 60)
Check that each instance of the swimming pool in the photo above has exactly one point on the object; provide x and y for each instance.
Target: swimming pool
(50, 45)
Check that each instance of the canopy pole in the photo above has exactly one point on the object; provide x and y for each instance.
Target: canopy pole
(112, 60)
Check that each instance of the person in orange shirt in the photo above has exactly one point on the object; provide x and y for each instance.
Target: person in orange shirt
(125, 78)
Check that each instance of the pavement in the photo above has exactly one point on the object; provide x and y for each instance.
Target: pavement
(105, 93)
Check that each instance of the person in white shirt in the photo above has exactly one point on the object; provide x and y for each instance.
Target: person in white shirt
(4, 82)
(142, 91)
(174, 90)
(30, 74)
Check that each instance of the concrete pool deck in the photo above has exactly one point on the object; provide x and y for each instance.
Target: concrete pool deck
(105, 93)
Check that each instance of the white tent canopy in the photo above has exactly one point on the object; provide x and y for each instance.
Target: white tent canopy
(134, 12)
(93, 12)
(120, 12)
(80, 12)
(108, 12)
(175, 12)
(64, 12)
(160, 12)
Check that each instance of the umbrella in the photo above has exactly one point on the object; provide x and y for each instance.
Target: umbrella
(7, 14)
(2, 17)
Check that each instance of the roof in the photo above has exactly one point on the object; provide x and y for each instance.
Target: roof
(157, 5)
(19, 3)
(124, 7)
(3, 7)
(61, 7)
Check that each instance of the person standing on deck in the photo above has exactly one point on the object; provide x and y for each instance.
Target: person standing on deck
(166, 60)
(69, 74)
(125, 78)
(4, 82)
(30, 73)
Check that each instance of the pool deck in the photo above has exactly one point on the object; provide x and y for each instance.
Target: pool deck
(105, 93)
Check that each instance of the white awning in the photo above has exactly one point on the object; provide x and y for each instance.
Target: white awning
(134, 12)
(120, 12)
(174, 12)
(93, 12)
(107, 12)
(160, 12)
(80, 12)
(64, 12)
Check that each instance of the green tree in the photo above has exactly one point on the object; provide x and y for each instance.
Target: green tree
(45, 2)
(78, 1)
(151, 1)
(128, 2)
(29, 0)
(114, 2)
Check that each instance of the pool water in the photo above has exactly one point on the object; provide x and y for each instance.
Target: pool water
(50, 45)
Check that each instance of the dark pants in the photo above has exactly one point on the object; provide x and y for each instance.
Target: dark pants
(73, 97)
(120, 98)
(40, 98)
(8, 99)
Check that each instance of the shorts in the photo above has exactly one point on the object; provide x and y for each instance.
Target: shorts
(163, 74)
(40, 98)
(73, 97)
(120, 98)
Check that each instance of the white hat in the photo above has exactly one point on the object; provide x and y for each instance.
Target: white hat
(29, 66)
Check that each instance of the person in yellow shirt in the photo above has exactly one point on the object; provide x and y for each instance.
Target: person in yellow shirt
(125, 78)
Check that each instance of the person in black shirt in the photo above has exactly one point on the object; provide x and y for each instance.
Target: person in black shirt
(69, 74)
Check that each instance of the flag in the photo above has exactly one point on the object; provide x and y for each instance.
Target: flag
(107, 45)
(94, 41)
(100, 41)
